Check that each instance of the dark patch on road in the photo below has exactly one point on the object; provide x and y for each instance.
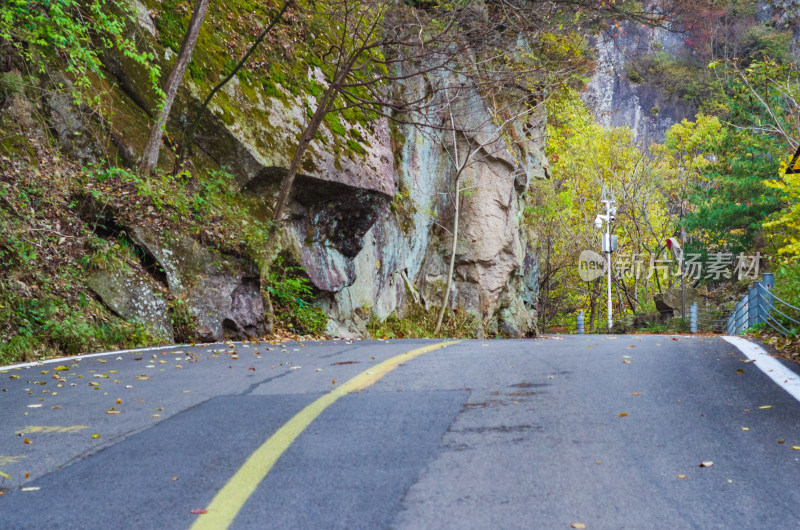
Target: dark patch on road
(485, 404)
(498, 428)
(526, 384)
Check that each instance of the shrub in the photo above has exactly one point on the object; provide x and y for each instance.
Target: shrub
(417, 323)
(292, 298)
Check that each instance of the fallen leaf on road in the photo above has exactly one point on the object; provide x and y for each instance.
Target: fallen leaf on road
(61, 368)
(199, 512)
(632, 346)
(118, 401)
(623, 414)
(95, 436)
(747, 360)
(35, 406)
(27, 442)
(681, 476)
(112, 410)
(706, 463)
(781, 441)
(636, 393)
(796, 447)
(578, 525)
(174, 479)
(762, 407)
(625, 361)
(31, 488)
(740, 371)
(745, 428)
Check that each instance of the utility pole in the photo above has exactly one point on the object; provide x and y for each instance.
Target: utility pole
(609, 245)
(607, 248)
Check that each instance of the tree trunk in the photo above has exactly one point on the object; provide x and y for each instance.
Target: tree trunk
(150, 156)
(288, 181)
(305, 140)
(189, 135)
(446, 300)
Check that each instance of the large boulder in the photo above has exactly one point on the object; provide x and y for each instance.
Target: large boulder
(133, 295)
(222, 292)
(669, 302)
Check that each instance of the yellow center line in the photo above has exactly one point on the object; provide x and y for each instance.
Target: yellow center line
(229, 500)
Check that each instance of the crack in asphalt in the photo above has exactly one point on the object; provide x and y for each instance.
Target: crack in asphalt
(254, 386)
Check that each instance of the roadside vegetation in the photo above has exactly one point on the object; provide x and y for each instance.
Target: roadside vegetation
(720, 176)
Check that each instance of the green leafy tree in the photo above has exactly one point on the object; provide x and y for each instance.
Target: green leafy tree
(74, 33)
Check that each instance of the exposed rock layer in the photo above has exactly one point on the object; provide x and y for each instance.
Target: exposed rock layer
(366, 223)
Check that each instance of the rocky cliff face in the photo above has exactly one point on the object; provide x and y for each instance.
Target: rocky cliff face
(366, 216)
(618, 98)
(617, 101)
(782, 14)
(404, 255)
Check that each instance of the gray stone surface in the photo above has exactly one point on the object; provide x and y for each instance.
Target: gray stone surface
(616, 101)
(670, 301)
(222, 292)
(132, 295)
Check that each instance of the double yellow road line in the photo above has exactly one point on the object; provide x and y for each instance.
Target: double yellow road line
(229, 500)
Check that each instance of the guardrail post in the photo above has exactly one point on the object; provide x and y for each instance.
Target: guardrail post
(740, 316)
(752, 306)
(693, 318)
(580, 323)
(767, 283)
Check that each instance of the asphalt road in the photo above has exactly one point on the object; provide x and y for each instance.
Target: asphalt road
(606, 432)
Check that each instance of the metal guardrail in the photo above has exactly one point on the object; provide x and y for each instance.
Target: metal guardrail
(761, 306)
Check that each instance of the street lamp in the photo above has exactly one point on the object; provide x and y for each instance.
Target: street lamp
(610, 244)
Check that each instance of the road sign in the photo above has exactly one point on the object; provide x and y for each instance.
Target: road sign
(794, 165)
